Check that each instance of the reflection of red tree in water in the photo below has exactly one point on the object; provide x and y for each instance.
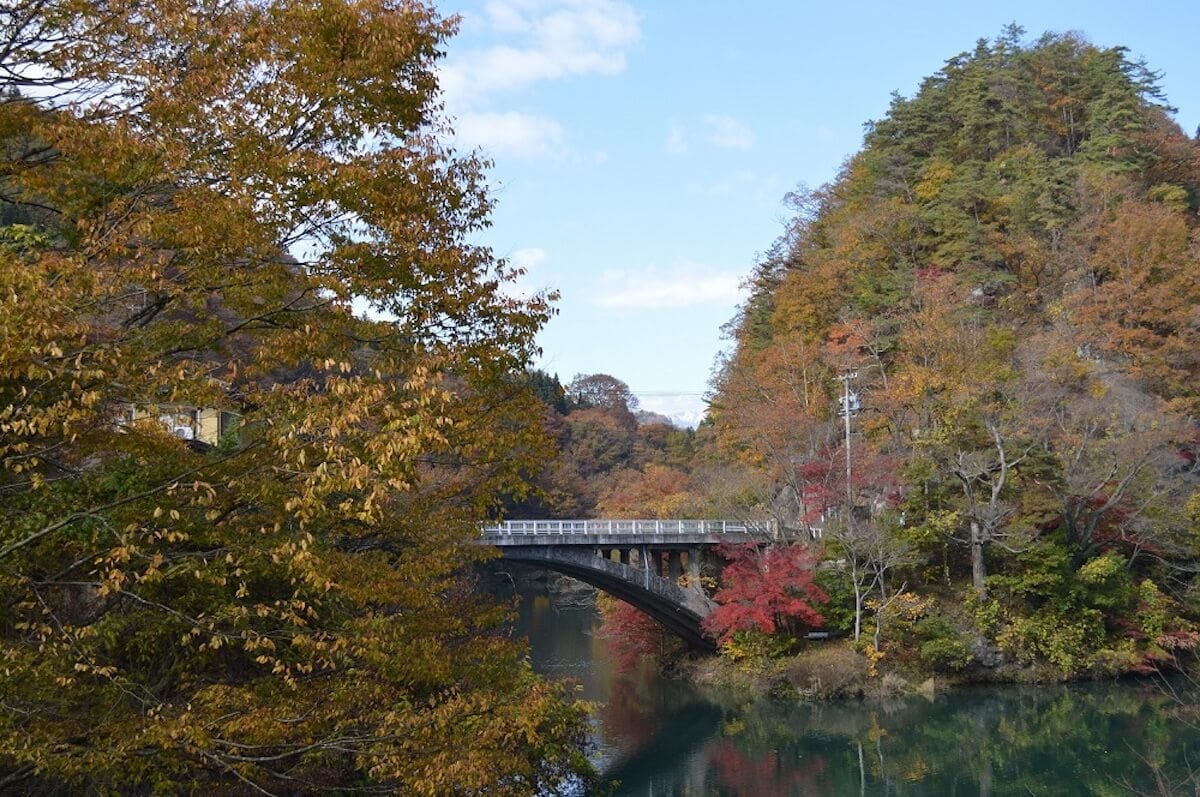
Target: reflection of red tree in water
(631, 635)
(628, 718)
(747, 775)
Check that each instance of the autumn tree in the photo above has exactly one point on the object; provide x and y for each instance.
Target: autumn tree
(609, 460)
(767, 589)
(288, 611)
(1140, 293)
(633, 635)
(1124, 463)
(655, 491)
(602, 391)
(773, 412)
(870, 553)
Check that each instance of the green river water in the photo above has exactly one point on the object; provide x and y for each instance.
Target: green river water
(659, 738)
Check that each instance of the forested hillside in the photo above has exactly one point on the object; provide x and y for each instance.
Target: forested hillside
(612, 459)
(1007, 277)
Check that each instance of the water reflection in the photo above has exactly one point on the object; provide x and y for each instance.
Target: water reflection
(658, 738)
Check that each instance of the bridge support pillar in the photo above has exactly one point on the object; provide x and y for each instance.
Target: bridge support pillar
(674, 567)
(693, 564)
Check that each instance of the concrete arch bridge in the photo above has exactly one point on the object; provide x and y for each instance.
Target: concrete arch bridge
(639, 561)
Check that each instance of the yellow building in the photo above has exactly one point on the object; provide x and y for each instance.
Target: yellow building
(203, 425)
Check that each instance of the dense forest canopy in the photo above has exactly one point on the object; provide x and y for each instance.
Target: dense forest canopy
(1008, 276)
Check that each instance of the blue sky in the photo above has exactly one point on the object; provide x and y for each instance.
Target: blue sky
(641, 149)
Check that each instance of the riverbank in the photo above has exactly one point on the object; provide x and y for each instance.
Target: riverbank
(833, 669)
(689, 734)
(818, 670)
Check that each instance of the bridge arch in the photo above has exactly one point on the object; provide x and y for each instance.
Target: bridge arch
(678, 609)
(573, 547)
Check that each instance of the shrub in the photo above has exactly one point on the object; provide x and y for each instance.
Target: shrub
(940, 646)
(750, 647)
(839, 611)
(1105, 582)
(828, 670)
(1067, 640)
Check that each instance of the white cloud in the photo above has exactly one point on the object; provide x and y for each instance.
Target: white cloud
(506, 17)
(556, 38)
(677, 141)
(526, 285)
(683, 285)
(510, 133)
(728, 133)
(529, 258)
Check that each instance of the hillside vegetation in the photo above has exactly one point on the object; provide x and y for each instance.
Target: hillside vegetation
(1008, 276)
(1005, 284)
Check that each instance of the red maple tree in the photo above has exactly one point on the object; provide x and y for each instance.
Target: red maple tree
(767, 589)
(631, 634)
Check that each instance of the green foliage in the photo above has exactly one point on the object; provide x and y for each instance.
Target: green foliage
(750, 648)
(1154, 613)
(940, 646)
(22, 239)
(1173, 196)
(1105, 583)
(548, 390)
(839, 610)
(1046, 573)
(232, 437)
(933, 529)
(1192, 511)
(1066, 639)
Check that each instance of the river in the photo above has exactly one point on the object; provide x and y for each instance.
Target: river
(659, 738)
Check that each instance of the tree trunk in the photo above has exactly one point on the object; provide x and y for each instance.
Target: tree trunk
(978, 572)
(858, 602)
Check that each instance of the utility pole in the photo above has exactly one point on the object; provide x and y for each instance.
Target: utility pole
(845, 380)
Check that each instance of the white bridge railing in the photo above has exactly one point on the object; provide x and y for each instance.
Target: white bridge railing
(663, 528)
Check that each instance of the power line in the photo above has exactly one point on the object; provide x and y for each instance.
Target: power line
(667, 393)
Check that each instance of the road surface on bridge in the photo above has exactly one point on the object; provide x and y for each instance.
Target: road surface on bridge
(600, 532)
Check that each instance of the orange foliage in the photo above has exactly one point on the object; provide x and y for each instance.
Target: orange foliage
(655, 492)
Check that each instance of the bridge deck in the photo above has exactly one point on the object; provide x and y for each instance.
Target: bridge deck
(623, 532)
